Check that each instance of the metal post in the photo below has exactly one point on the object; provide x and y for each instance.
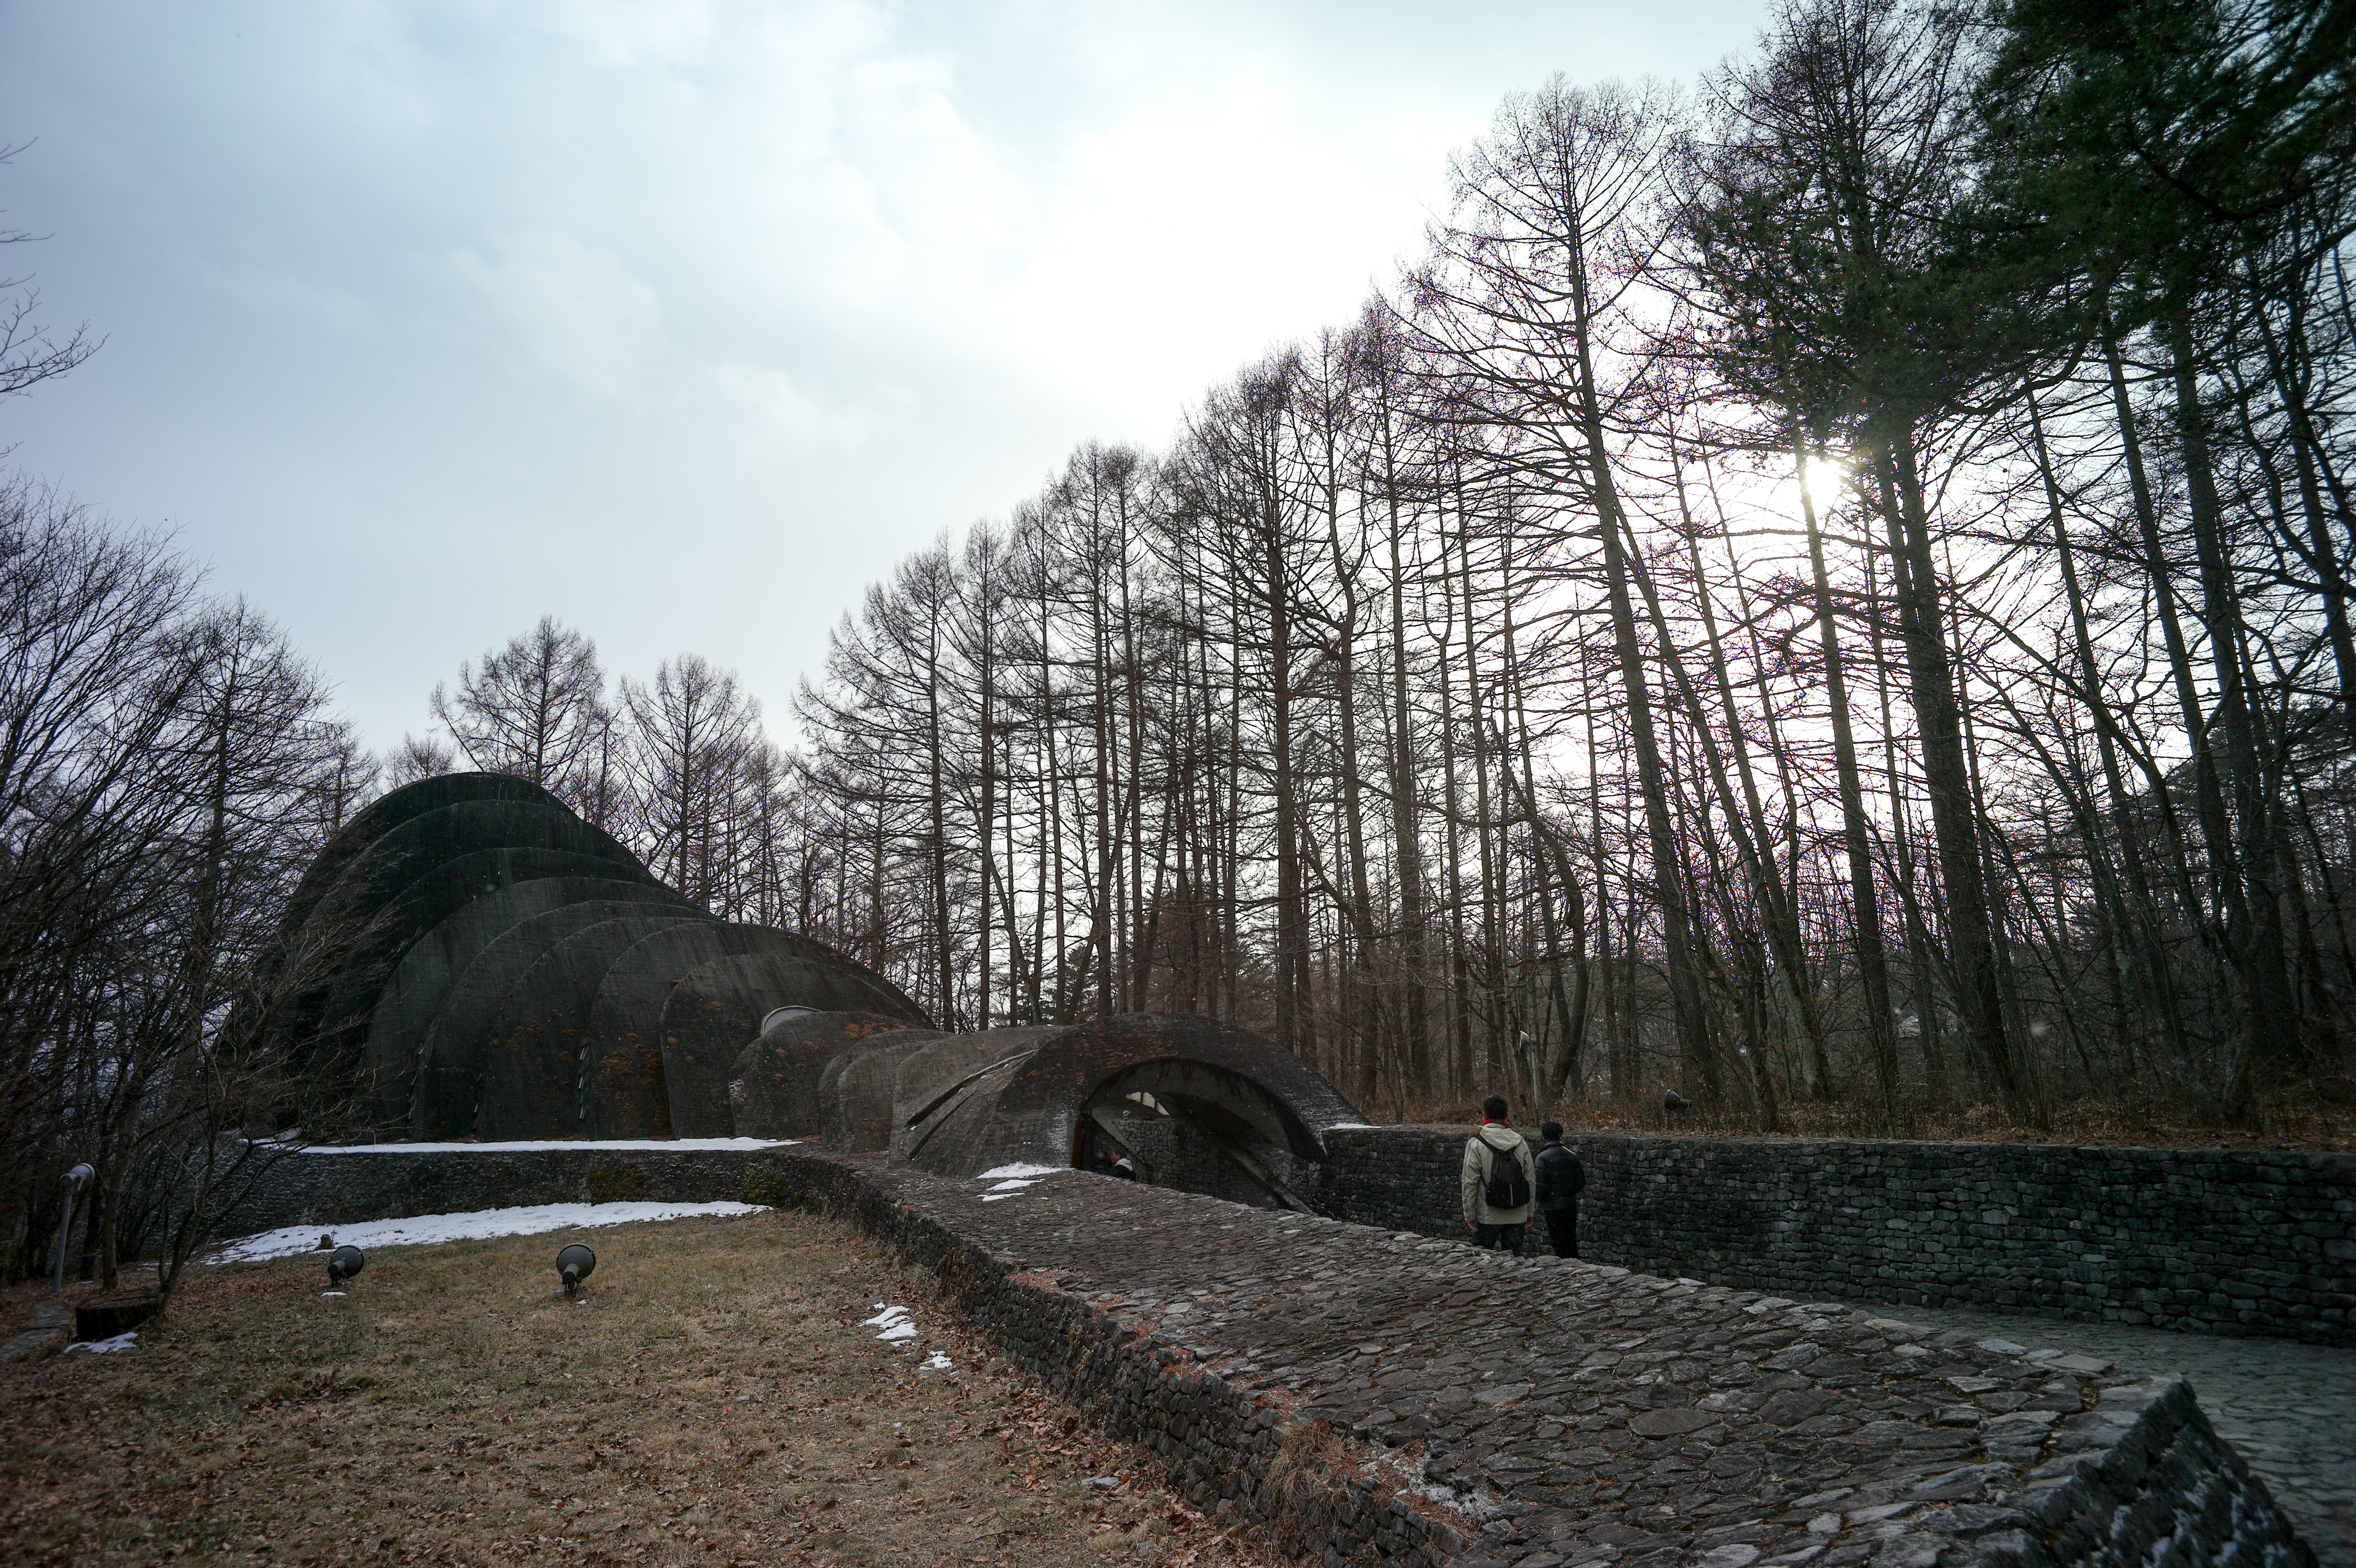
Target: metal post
(76, 1179)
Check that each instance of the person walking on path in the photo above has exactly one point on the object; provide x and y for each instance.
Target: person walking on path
(1559, 1178)
(1499, 1177)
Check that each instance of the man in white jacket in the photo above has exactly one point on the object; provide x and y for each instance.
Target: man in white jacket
(1500, 1179)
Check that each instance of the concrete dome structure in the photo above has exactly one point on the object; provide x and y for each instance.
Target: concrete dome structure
(476, 960)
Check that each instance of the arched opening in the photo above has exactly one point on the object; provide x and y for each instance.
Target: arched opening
(777, 1016)
(1200, 1128)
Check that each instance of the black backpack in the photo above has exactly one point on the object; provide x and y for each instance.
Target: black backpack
(1507, 1188)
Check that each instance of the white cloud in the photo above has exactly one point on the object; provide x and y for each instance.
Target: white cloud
(767, 406)
(389, 281)
(577, 309)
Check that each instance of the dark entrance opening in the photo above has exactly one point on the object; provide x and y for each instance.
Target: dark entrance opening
(1202, 1128)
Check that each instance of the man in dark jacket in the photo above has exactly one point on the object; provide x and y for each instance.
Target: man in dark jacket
(1560, 1177)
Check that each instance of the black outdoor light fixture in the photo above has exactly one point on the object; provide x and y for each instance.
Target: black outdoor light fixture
(342, 1263)
(575, 1263)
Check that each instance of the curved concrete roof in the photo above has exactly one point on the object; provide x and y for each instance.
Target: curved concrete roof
(412, 996)
(535, 1072)
(410, 849)
(377, 952)
(387, 811)
(475, 957)
(1028, 1106)
(855, 1091)
(774, 1085)
(718, 1006)
(625, 1053)
(452, 1061)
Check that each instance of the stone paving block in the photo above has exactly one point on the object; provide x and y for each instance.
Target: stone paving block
(1363, 1391)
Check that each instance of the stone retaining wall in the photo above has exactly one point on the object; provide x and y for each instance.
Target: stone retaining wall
(1376, 1398)
(2217, 1242)
(345, 1187)
(2212, 1241)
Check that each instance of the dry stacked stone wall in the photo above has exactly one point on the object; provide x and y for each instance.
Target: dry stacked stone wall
(1385, 1397)
(2215, 1242)
(345, 1187)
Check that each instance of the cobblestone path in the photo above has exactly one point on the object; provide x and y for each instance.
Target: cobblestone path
(2289, 1409)
(1572, 1415)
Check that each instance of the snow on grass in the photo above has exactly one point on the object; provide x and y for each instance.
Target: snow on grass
(426, 1229)
(935, 1363)
(1008, 1172)
(101, 1346)
(671, 1144)
(893, 1323)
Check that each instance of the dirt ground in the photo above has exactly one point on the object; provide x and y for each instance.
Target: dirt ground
(715, 1400)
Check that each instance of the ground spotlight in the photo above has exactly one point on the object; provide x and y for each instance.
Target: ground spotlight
(342, 1263)
(575, 1263)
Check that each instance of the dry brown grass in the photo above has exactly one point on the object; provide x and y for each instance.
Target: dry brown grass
(714, 1401)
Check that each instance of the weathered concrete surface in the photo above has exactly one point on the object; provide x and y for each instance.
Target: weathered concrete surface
(383, 814)
(857, 1091)
(1396, 1398)
(2226, 1242)
(457, 1052)
(535, 1072)
(773, 1087)
(624, 1048)
(413, 915)
(412, 996)
(716, 1009)
(375, 876)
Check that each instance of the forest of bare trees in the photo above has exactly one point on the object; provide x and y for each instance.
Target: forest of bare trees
(1825, 596)
(1818, 602)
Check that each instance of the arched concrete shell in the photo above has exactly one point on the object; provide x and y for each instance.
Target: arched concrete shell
(533, 1076)
(290, 958)
(626, 1093)
(458, 946)
(1028, 1107)
(772, 1089)
(450, 1066)
(387, 811)
(426, 904)
(855, 1091)
(376, 876)
(718, 1006)
(413, 994)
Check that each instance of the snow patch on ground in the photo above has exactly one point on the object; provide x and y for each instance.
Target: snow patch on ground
(935, 1363)
(1010, 1172)
(676, 1146)
(1017, 1185)
(892, 1324)
(424, 1229)
(102, 1347)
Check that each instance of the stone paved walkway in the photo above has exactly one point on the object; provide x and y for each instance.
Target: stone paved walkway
(2289, 1409)
(1575, 1416)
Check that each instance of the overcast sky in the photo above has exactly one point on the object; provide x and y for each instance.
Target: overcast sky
(684, 321)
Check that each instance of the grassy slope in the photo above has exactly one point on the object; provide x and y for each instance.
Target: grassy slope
(714, 1401)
